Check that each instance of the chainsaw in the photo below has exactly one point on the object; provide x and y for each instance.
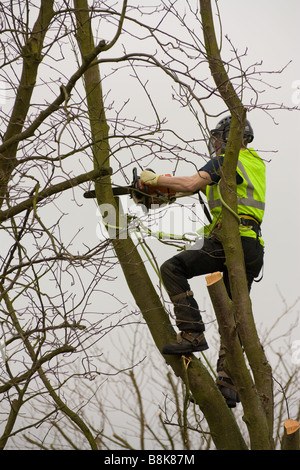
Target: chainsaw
(147, 195)
(141, 194)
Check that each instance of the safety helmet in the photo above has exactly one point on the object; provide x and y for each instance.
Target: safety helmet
(223, 127)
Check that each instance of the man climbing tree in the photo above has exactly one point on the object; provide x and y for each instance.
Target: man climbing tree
(258, 415)
(211, 257)
(61, 129)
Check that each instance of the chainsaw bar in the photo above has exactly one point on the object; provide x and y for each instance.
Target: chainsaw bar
(139, 196)
(119, 191)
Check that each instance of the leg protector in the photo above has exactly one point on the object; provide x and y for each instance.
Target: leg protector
(225, 383)
(187, 312)
(228, 391)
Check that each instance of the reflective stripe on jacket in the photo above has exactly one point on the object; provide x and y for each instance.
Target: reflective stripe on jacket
(250, 193)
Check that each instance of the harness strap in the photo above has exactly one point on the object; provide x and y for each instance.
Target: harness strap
(251, 222)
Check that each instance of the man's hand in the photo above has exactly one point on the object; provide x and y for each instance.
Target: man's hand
(148, 177)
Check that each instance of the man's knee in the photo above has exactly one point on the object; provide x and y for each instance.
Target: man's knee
(171, 267)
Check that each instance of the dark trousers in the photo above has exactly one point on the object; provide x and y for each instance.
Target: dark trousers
(210, 258)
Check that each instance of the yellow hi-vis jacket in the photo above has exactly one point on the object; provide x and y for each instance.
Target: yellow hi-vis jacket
(250, 192)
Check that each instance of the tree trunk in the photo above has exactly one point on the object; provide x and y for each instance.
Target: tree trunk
(32, 57)
(235, 365)
(230, 236)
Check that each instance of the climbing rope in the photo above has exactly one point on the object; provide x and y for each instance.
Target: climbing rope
(235, 215)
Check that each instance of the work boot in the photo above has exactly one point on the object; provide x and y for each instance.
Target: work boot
(228, 391)
(187, 342)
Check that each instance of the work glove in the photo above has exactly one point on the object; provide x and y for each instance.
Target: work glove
(148, 177)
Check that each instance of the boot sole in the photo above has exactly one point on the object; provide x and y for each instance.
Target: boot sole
(175, 350)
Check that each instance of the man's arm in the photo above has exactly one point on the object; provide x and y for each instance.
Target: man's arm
(185, 184)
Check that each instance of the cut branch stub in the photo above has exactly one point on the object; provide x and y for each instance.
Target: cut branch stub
(213, 278)
(291, 426)
(291, 437)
